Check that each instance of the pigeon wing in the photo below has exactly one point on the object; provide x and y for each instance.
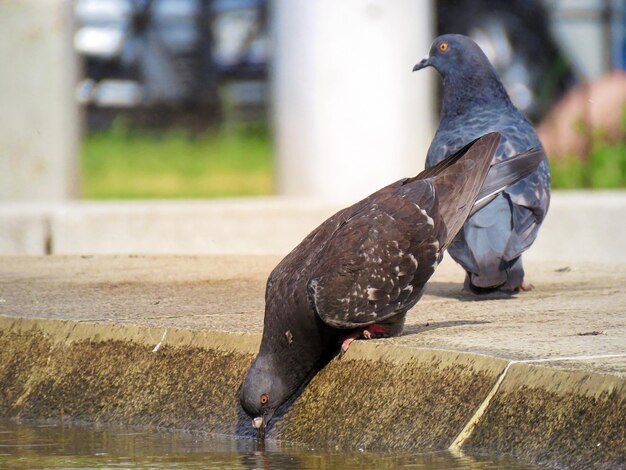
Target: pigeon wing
(379, 262)
(530, 202)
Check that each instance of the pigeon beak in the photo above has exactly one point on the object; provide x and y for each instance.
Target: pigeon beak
(259, 424)
(425, 62)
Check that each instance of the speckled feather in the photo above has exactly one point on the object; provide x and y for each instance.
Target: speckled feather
(369, 263)
(387, 253)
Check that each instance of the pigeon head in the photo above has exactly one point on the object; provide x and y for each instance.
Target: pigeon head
(455, 54)
(262, 393)
(470, 83)
(295, 345)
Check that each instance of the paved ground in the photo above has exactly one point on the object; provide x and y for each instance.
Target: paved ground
(575, 309)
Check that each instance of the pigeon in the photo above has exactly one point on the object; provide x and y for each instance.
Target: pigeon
(357, 274)
(474, 102)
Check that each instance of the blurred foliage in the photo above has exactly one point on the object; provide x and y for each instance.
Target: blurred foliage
(603, 168)
(123, 164)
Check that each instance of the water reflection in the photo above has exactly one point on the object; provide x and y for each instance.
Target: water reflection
(37, 446)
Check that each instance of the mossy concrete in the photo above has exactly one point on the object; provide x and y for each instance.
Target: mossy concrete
(56, 369)
(165, 341)
(547, 415)
(392, 399)
(119, 381)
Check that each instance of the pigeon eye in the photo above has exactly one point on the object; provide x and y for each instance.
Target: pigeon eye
(443, 47)
(265, 398)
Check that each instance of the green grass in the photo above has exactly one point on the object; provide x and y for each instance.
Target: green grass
(119, 164)
(605, 168)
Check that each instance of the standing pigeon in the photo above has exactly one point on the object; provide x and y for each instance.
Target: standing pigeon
(358, 273)
(474, 103)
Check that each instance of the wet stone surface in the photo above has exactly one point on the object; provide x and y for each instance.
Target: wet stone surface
(567, 419)
(117, 381)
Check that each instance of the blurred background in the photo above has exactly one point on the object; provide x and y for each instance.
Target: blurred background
(196, 99)
(136, 103)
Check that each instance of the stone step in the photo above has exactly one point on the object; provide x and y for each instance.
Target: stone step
(581, 225)
(165, 341)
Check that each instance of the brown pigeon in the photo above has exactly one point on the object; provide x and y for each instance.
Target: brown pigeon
(358, 273)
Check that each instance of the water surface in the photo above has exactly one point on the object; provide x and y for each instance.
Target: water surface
(45, 446)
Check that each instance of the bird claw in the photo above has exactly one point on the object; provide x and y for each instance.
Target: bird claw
(346, 344)
(526, 287)
(374, 331)
(369, 332)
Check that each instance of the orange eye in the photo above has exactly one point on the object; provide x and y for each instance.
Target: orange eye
(265, 398)
(443, 47)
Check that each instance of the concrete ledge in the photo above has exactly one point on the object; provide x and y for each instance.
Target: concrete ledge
(583, 226)
(392, 398)
(382, 397)
(586, 226)
(161, 341)
(50, 369)
(24, 229)
(550, 415)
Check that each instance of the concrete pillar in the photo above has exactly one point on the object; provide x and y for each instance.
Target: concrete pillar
(349, 114)
(38, 116)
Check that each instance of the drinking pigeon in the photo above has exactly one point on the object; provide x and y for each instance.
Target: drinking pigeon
(358, 273)
(474, 103)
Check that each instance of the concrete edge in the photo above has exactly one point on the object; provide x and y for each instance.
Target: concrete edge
(553, 380)
(499, 406)
(215, 226)
(67, 331)
(552, 416)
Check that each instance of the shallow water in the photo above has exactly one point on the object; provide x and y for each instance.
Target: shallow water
(43, 446)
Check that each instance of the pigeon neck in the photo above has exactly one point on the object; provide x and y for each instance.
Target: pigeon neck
(302, 346)
(463, 94)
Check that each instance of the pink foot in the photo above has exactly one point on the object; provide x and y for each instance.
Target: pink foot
(374, 331)
(526, 287)
(346, 342)
(369, 332)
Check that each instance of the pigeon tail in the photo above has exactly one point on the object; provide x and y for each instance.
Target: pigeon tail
(480, 246)
(459, 184)
(505, 277)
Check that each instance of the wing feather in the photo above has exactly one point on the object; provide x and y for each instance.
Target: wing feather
(377, 265)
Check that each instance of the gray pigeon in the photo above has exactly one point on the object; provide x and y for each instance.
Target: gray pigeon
(474, 103)
(358, 273)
